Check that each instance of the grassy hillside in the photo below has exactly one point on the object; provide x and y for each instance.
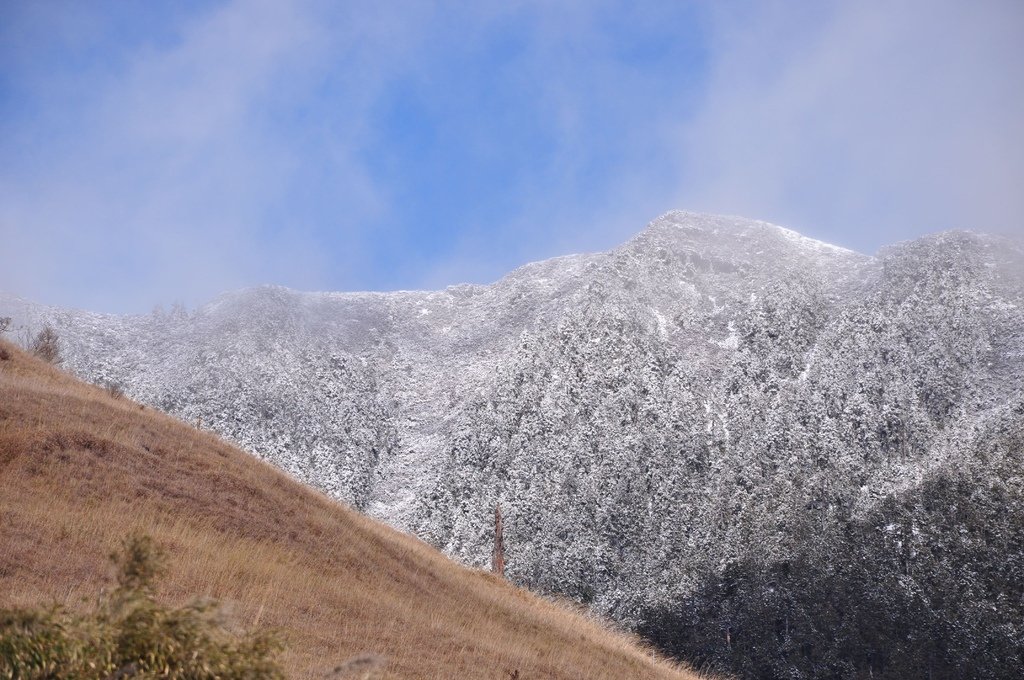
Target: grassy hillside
(80, 469)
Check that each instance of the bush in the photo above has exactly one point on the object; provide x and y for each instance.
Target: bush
(131, 635)
(5, 323)
(46, 345)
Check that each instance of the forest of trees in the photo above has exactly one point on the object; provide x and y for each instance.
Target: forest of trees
(767, 455)
(840, 497)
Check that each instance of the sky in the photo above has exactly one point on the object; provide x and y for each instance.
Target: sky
(160, 152)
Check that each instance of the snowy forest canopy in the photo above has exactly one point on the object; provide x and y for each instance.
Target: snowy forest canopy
(766, 455)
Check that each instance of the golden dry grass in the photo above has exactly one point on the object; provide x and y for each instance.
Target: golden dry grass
(80, 469)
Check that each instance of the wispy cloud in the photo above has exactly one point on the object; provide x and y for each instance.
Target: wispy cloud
(863, 122)
(177, 151)
(178, 179)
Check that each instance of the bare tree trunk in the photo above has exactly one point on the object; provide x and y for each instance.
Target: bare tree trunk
(498, 559)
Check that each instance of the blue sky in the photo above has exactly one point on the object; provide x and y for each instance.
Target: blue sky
(158, 152)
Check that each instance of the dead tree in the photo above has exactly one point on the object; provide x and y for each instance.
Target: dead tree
(498, 559)
(46, 345)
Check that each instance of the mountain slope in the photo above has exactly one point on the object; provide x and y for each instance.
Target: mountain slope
(80, 469)
(687, 428)
(386, 371)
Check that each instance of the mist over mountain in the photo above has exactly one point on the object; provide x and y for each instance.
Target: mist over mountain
(766, 454)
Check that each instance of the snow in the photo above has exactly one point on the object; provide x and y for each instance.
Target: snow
(730, 341)
(709, 365)
(662, 322)
(805, 242)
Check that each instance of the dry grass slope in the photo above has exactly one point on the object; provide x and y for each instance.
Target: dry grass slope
(81, 468)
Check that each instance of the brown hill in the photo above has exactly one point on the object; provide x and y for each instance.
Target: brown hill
(81, 468)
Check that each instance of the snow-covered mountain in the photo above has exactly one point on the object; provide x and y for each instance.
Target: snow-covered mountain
(720, 433)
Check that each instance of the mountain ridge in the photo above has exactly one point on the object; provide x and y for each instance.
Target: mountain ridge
(652, 418)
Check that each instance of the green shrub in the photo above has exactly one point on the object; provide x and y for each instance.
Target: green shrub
(130, 635)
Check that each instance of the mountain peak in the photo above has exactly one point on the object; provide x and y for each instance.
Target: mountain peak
(617, 403)
(734, 226)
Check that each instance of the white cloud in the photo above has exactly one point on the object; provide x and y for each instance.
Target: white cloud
(193, 165)
(177, 177)
(863, 122)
